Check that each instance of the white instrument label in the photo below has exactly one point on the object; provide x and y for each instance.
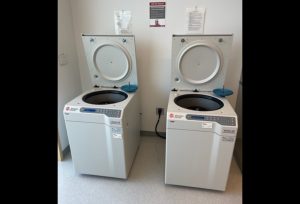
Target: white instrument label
(116, 133)
(206, 125)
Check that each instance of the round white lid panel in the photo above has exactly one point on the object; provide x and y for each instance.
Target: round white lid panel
(112, 62)
(199, 63)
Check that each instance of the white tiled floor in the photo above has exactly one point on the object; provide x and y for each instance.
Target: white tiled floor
(144, 185)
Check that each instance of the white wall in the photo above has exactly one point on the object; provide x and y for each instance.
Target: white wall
(69, 84)
(153, 45)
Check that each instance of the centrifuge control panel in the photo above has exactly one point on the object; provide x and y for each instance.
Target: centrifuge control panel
(223, 120)
(108, 112)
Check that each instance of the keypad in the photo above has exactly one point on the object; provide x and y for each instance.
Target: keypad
(108, 112)
(223, 120)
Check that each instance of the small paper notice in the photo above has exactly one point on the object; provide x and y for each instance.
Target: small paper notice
(116, 133)
(195, 20)
(227, 139)
(117, 136)
(123, 22)
(206, 125)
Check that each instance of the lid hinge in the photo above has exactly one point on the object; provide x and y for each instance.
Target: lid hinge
(110, 87)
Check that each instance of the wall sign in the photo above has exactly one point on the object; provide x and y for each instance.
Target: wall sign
(195, 20)
(157, 14)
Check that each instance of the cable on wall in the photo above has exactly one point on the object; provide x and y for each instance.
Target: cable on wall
(159, 114)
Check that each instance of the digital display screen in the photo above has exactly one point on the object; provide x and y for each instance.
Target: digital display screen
(197, 117)
(89, 110)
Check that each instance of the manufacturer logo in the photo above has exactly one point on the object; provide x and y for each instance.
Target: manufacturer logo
(69, 108)
(73, 109)
(179, 116)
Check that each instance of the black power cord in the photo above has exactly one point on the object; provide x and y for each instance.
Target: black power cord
(159, 114)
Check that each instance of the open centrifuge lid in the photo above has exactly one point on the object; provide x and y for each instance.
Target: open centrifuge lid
(111, 59)
(199, 61)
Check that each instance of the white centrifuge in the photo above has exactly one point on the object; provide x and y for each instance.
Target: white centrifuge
(103, 124)
(201, 127)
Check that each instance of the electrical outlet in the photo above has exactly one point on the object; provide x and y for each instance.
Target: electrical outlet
(62, 59)
(162, 111)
